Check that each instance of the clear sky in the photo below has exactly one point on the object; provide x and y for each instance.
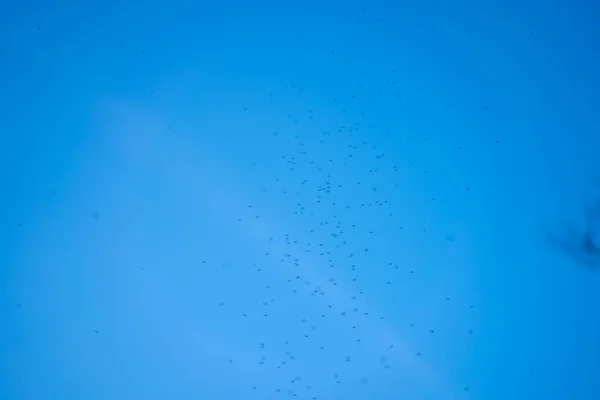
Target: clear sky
(307, 200)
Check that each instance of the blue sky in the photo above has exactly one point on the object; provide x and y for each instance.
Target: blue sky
(297, 200)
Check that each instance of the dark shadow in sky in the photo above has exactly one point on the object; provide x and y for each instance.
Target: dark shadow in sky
(582, 245)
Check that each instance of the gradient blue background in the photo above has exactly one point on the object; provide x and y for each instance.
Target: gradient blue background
(170, 167)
